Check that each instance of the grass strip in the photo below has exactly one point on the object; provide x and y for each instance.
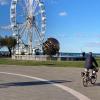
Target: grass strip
(52, 63)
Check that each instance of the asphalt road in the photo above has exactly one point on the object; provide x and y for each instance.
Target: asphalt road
(21, 87)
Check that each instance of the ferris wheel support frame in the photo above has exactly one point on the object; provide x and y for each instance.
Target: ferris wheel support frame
(16, 27)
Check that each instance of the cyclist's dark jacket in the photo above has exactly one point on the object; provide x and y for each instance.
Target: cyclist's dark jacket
(90, 62)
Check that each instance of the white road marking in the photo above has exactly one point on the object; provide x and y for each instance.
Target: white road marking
(78, 95)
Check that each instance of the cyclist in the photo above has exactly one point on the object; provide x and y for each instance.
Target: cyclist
(90, 63)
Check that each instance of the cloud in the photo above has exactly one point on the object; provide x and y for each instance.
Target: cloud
(51, 1)
(3, 2)
(64, 13)
(93, 44)
(54, 1)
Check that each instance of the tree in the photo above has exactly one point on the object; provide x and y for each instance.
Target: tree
(37, 51)
(51, 46)
(10, 42)
(1, 41)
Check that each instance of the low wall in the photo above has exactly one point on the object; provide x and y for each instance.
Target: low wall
(30, 57)
(45, 58)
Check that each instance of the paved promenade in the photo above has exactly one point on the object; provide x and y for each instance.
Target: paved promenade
(45, 83)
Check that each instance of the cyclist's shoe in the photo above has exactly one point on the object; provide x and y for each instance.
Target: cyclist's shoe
(97, 69)
(82, 74)
(93, 76)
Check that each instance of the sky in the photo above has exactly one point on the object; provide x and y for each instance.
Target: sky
(74, 23)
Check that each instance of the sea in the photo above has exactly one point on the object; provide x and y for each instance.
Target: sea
(64, 54)
(61, 54)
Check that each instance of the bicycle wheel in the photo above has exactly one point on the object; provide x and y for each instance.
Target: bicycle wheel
(85, 81)
(93, 78)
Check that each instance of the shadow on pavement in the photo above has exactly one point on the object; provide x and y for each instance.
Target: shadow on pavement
(30, 83)
(97, 84)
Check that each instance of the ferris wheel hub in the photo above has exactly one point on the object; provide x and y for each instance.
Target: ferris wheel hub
(30, 21)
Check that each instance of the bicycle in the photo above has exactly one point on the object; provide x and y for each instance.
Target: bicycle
(88, 78)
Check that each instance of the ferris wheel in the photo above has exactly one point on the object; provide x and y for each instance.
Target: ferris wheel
(28, 23)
